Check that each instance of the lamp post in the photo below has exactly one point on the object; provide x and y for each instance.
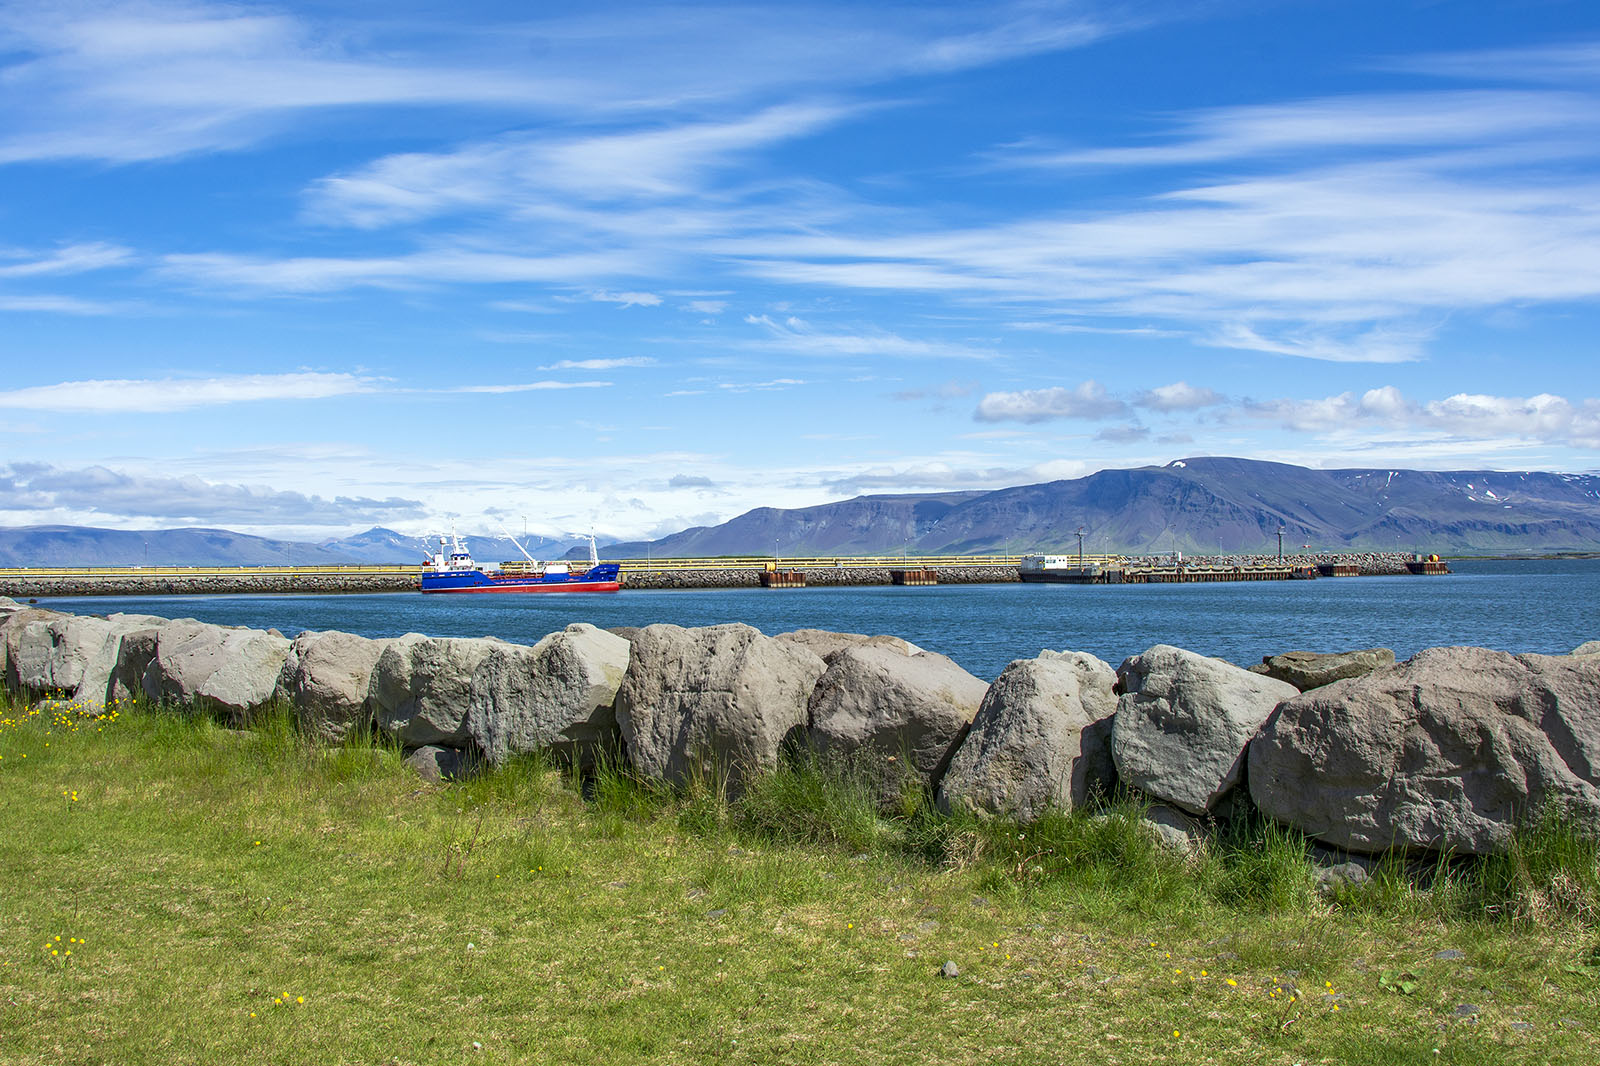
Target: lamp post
(1281, 532)
(1080, 548)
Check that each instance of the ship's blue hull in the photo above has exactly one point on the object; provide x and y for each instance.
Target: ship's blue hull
(601, 578)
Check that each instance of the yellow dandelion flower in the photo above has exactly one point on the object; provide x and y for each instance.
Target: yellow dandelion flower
(1232, 983)
(299, 999)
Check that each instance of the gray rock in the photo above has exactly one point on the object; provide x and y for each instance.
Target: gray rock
(225, 669)
(718, 700)
(433, 762)
(1330, 879)
(879, 700)
(327, 679)
(52, 655)
(1591, 647)
(827, 643)
(1041, 738)
(16, 631)
(1307, 669)
(949, 970)
(556, 695)
(1449, 750)
(1183, 722)
(1174, 828)
(1449, 955)
(422, 687)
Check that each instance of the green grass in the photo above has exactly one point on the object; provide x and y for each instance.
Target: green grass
(206, 881)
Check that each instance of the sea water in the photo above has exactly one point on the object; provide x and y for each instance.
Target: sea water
(1547, 606)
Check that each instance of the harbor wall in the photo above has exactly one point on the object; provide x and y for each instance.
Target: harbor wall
(635, 575)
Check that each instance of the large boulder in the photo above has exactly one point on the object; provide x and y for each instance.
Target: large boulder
(1308, 669)
(73, 657)
(229, 670)
(1041, 739)
(13, 626)
(422, 687)
(327, 679)
(556, 695)
(1183, 722)
(827, 643)
(880, 701)
(1447, 751)
(719, 700)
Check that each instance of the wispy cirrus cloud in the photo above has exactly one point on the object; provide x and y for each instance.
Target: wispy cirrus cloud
(544, 175)
(69, 259)
(154, 79)
(601, 364)
(462, 264)
(526, 386)
(107, 396)
(797, 335)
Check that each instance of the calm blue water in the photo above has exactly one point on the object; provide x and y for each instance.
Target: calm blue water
(1543, 606)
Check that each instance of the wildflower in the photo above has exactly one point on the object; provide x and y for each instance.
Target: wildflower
(299, 999)
(1232, 983)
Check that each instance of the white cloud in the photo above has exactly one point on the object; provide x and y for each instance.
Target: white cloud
(100, 494)
(1179, 396)
(329, 274)
(706, 307)
(71, 259)
(529, 174)
(627, 299)
(1462, 418)
(528, 386)
(601, 364)
(774, 385)
(796, 335)
(179, 394)
(1089, 400)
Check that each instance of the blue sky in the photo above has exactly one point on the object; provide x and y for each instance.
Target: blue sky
(300, 269)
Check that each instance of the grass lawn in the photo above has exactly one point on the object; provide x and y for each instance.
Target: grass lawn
(174, 892)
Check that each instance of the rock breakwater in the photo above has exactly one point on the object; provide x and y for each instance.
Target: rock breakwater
(1446, 752)
(635, 575)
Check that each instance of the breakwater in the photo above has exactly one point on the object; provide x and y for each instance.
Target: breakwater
(27, 582)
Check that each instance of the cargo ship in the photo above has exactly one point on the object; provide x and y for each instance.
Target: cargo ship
(452, 569)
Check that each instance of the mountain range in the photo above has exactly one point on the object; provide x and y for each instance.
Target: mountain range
(1196, 506)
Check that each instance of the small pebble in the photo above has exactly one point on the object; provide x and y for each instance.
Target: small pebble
(1466, 1010)
(1449, 954)
(949, 969)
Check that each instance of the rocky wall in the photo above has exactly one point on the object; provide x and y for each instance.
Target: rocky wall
(1448, 751)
